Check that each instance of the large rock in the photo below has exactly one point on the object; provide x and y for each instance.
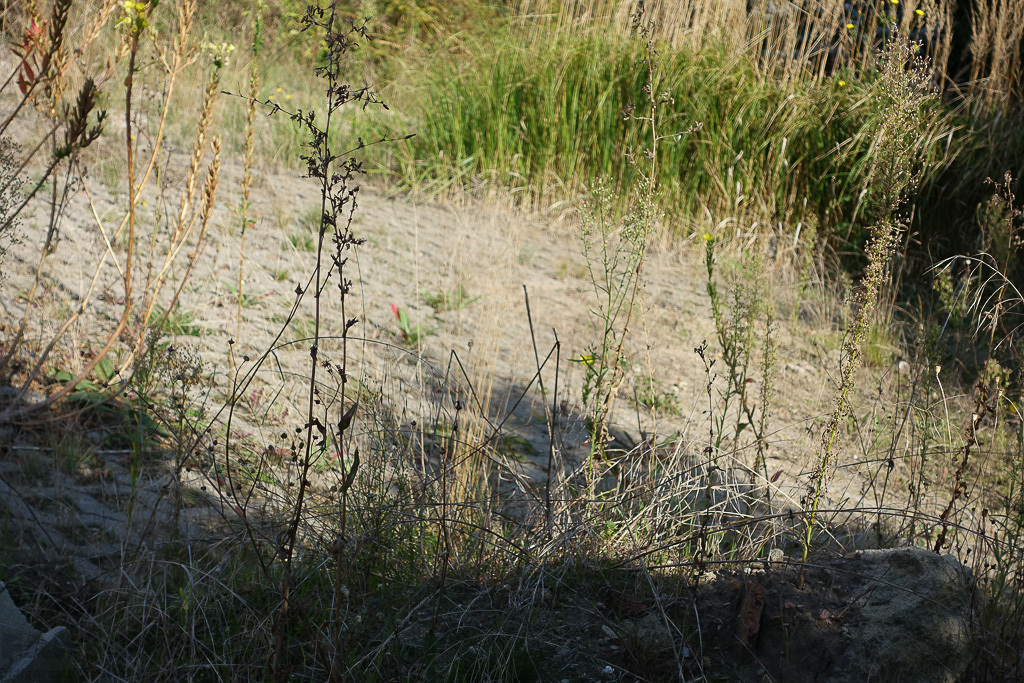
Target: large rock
(26, 655)
(874, 615)
(913, 620)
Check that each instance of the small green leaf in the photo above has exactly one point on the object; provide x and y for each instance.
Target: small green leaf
(104, 370)
(62, 376)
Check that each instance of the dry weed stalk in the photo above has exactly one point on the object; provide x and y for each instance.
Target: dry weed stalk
(901, 92)
(134, 26)
(182, 232)
(998, 27)
(336, 174)
(789, 41)
(250, 150)
(970, 436)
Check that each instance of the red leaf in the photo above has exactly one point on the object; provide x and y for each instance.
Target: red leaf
(775, 477)
(26, 78)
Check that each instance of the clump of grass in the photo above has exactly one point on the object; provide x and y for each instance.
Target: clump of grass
(450, 300)
(177, 322)
(766, 151)
(652, 395)
(300, 241)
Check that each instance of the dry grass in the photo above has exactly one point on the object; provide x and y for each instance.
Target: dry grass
(332, 498)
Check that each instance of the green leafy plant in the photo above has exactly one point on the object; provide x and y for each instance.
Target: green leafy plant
(452, 300)
(103, 373)
(737, 324)
(411, 334)
(652, 395)
(614, 251)
(177, 322)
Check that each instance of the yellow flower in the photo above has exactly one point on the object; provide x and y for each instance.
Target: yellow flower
(287, 97)
(842, 84)
(278, 90)
(586, 358)
(708, 237)
(919, 12)
(849, 26)
(895, 2)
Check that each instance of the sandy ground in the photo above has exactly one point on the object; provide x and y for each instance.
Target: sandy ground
(416, 249)
(84, 506)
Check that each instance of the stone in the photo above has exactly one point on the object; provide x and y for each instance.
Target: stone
(26, 655)
(914, 621)
(9, 393)
(900, 614)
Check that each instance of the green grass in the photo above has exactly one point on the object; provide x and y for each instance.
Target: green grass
(552, 112)
(496, 98)
(300, 241)
(448, 300)
(178, 322)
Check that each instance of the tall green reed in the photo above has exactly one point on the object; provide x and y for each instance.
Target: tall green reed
(551, 111)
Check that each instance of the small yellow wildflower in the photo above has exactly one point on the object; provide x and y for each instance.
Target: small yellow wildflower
(919, 12)
(895, 2)
(842, 84)
(278, 90)
(586, 358)
(287, 97)
(708, 237)
(850, 26)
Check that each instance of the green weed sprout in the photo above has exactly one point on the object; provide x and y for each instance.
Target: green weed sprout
(411, 334)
